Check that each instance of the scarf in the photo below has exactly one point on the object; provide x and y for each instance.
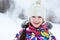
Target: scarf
(38, 31)
(41, 31)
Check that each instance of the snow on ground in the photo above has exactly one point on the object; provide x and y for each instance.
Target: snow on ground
(8, 28)
(56, 31)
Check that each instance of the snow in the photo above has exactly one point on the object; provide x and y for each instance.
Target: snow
(56, 31)
(8, 28)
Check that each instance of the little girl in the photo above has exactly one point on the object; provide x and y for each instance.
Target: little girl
(36, 28)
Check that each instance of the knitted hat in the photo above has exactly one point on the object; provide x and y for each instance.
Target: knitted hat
(36, 10)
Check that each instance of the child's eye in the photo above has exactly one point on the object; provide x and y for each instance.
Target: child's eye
(39, 17)
(33, 16)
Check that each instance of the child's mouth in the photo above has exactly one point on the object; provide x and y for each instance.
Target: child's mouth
(36, 23)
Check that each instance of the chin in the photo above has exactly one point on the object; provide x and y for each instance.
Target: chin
(36, 26)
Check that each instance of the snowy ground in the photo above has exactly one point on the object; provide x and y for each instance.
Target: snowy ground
(8, 28)
(56, 31)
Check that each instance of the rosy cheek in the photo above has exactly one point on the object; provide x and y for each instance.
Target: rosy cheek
(33, 20)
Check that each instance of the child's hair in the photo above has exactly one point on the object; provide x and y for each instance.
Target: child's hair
(23, 35)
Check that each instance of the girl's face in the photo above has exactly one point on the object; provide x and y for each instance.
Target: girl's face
(36, 21)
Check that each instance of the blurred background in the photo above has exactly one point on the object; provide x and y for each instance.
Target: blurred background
(12, 14)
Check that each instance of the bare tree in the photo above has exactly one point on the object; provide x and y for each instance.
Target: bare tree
(4, 5)
(50, 16)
